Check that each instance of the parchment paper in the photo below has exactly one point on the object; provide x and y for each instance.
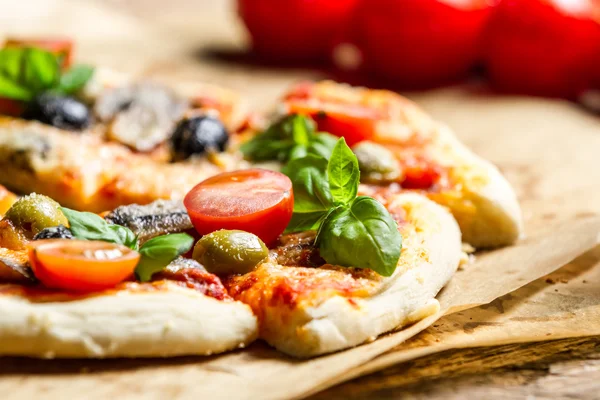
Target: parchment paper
(548, 150)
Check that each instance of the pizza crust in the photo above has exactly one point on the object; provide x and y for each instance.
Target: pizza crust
(430, 255)
(488, 213)
(172, 322)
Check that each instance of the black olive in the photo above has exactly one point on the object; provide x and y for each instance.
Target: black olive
(197, 135)
(58, 110)
(56, 232)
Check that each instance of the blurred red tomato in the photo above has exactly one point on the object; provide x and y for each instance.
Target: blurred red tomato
(543, 47)
(293, 30)
(421, 43)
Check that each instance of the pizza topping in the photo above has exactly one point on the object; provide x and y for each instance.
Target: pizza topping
(353, 122)
(58, 110)
(158, 252)
(81, 265)
(297, 249)
(198, 135)
(351, 231)
(89, 226)
(253, 200)
(35, 212)
(147, 221)
(377, 164)
(230, 252)
(26, 72)
(140, 116)
(56, 232)
(293, 136)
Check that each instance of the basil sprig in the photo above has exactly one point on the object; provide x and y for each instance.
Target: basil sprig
(351, 231)
(27, 72)
(155, 254)
(293, 136)
(89, 226)
(158, 252)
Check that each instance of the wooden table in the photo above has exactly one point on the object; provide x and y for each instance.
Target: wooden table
(191, 39)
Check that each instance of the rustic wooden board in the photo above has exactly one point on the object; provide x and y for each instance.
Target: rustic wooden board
(547, 149)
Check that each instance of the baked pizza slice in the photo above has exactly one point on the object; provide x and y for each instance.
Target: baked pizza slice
(84, 172)
(400, 145)
(97, 290)
(349, 267)
(308, 307)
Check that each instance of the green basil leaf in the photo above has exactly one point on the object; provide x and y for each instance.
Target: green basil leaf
(322, 145)
(41, 70)
(309, 180)
(298, 151)
(343, 173)
(285, 139)
(75, 78)
(159, 252)
(362, 234)
(25, 72)
(12, 90)
(126, 236)
(266, 149)
(301, 130)
(89, 226)
(305, 222)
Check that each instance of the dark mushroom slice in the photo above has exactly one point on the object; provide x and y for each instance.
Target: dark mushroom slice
(141, 116)
(157, 218)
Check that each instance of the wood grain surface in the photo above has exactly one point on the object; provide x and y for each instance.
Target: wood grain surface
(548, 149)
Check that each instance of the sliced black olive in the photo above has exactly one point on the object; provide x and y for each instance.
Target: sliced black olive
(198, 135)
(58, 110)
(56, 232)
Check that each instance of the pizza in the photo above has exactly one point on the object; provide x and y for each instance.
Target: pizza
(160, 221)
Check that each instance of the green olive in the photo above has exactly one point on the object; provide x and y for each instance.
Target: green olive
(35, 212)
(377, 164)
(230, 252)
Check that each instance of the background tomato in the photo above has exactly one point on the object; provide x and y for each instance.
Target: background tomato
(252, 200)
(543, 47)
(421, 43)
(287, 30)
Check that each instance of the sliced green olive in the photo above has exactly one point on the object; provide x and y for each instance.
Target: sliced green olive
(35, 212)
(230, 252)
(377, 164)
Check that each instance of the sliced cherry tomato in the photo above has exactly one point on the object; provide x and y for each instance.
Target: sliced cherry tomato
(353, 122)
(81, 265)
(543, 47)
(253, 200)
(419, 174)
(294, 29)
(421, 43)
(7, 199)
(60, 47)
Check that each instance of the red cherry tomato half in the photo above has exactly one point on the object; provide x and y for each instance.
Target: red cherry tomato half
(543, 47)
(285, 30)
(421, 43)
(355, 123)
(61, 47)
(81, 265)
(253, 200)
